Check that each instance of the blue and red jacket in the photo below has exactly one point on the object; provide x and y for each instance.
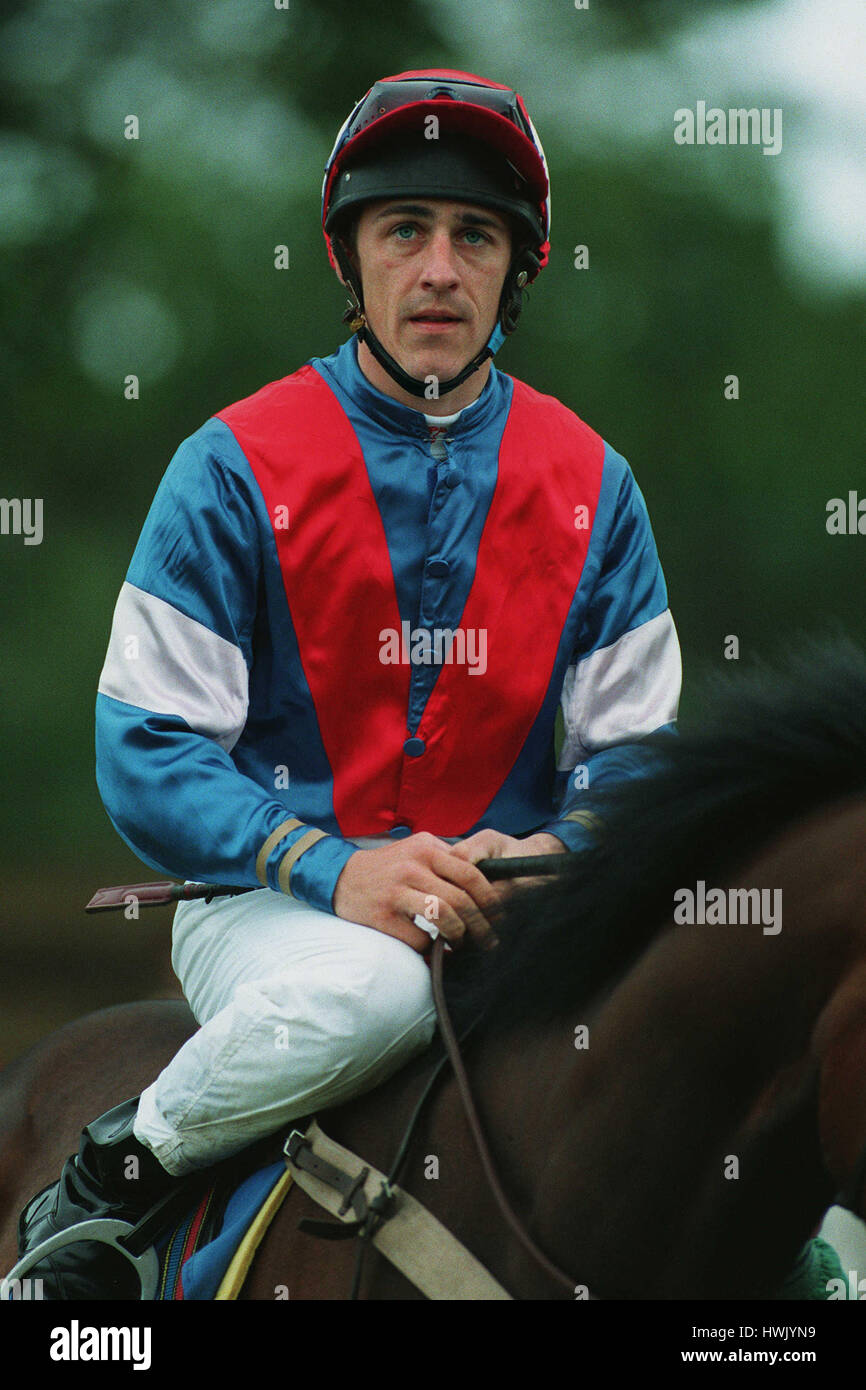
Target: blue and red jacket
(328, 632)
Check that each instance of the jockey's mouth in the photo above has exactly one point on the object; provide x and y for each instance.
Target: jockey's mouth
(439, 317)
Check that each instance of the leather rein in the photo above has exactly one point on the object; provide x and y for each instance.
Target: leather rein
(452, 1049)
(378, 1212)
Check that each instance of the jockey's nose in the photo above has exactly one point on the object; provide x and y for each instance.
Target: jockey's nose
(439, 267)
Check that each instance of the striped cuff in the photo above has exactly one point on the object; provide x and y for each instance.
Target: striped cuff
(270, 844)
(303, 862)
(576, 829)
(293, 854)
(281, 851)
(314, 876)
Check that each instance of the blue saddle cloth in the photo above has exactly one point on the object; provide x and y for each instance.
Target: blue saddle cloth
(195, 1255)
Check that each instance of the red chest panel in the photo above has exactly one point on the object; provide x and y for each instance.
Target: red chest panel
(341, 595)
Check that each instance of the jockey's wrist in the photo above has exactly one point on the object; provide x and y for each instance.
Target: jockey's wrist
(314, 874)
(577, 830)
(544, 842)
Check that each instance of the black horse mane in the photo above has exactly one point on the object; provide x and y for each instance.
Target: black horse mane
(776, 743)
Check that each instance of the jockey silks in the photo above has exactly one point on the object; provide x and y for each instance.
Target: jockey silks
(325, 625)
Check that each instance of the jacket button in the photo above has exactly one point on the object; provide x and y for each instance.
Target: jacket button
(453, 478)
(399, 832)
(414, 747)
(438, 568)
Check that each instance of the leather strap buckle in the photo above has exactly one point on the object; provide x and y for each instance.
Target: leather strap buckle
(299, 1149)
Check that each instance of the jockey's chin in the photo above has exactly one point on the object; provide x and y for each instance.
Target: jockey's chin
(430, 364)
(437, 354)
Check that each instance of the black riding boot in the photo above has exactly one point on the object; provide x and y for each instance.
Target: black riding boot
(102, 1181)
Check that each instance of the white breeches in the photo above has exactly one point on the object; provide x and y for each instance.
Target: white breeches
(298, 1009)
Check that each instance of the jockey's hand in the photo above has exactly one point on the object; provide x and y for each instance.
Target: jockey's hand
(492, 844)
(420, 876)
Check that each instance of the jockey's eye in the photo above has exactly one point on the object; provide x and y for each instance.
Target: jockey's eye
(406, 231)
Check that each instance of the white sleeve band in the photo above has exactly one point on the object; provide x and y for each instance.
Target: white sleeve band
(163, 661)
(622, 691)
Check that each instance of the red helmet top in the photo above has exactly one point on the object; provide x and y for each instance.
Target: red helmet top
(463, 104)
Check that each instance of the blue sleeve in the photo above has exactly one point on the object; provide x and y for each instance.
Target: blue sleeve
(625, 676)
(173, 694)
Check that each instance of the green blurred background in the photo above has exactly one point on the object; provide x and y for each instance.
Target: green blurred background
(155, 257)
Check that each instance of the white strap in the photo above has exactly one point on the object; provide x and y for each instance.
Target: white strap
(412, 1239)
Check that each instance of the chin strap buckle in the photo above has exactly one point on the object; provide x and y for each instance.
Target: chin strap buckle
(354, 313)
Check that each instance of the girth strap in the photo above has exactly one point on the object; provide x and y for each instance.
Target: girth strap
(407, 1234)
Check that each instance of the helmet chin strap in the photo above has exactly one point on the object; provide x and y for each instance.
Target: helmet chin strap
(416, 386)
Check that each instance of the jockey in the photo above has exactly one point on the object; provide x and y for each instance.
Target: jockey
(358, 600)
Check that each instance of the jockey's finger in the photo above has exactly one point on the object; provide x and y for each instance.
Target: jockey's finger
(487, 844)
(453, 912)
(486, 896)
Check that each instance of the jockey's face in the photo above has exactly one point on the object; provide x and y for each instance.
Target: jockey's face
(432, 274)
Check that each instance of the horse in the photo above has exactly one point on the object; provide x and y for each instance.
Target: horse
(660, 1086)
